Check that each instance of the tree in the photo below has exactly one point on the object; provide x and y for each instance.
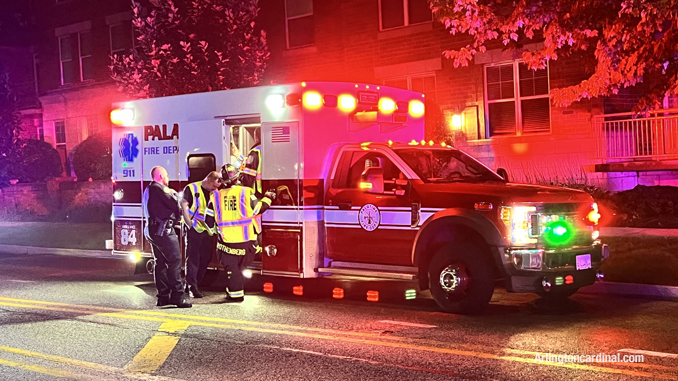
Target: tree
(92, 158)
(10, 118)
(189, 46)
(34, 160)
(629, 39)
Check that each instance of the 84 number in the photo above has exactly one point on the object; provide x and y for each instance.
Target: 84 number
(128, 236)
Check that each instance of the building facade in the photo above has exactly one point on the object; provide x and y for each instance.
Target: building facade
(495, 108)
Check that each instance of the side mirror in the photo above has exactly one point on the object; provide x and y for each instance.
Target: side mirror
(503, 173)
(372, 180)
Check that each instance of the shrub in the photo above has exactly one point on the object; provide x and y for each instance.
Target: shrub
(92, 158)
(34, 160)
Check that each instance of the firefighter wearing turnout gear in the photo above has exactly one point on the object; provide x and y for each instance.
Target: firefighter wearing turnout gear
(235, 214)
(251, 166)
(162, 211)
(199, 239)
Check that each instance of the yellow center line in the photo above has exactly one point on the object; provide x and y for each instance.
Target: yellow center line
(157, 350)
(237, 325)
(37, 368)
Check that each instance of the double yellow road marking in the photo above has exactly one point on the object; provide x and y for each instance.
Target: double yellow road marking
(172, 325)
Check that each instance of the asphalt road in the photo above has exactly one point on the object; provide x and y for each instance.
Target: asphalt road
(90, 318)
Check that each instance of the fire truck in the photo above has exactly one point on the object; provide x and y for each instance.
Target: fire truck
(361, 193)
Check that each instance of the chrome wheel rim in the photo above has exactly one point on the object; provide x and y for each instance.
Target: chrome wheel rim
(454, 279)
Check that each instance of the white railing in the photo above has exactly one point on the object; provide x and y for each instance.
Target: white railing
(653, 135)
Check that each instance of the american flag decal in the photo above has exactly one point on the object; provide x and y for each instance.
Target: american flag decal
(280, 134)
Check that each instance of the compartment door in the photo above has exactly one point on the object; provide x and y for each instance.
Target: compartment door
(282, 223)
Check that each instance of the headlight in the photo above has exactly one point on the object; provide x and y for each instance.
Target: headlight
(518, 220)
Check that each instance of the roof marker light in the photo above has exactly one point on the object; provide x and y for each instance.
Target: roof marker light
(122, 117)
(416, 108)
(387, 105)
(390, 142)
(312, 100)
(347, 103)
(430, 142)
(423, 142)
(413, 143)
(443, 144)
(275, 102)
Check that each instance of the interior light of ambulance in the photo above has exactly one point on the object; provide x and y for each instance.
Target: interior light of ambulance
(312, 100)
(293, 99)
(275, 101)
(416, 108)
(122, 117)
(330, 101)
(456, 121)
(347, 103)
(387, 105)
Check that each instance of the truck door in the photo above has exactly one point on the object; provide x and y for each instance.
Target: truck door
(363, 227)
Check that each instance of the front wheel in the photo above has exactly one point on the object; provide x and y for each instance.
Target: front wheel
(461, 278)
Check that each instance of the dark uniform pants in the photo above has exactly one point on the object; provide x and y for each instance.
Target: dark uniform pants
(235, 257)
(167, 270)
(199, 247)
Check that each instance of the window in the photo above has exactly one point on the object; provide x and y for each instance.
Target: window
(85, 49)
(299, 22)
(60, 132)
(517, 99)
(353, 164)
(422, 83)
(66, 58)
(121, 38)
(92, 125)
(397, 13)
(41, 133)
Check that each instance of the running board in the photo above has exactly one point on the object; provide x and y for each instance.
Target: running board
(367, 273)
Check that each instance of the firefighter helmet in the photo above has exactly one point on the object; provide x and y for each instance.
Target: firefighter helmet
(229, 174)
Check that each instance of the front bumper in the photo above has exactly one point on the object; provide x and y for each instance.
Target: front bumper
(558, 268)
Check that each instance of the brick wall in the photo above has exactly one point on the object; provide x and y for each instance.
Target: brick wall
(53, 200)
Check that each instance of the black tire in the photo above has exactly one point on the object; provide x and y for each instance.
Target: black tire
(209, 278)
(557, 294)
(461, 278)
(144, 266)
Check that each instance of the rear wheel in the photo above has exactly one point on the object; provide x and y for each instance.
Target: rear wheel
(461, 278)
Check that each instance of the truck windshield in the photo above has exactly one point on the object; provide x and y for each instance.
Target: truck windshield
(446, 165)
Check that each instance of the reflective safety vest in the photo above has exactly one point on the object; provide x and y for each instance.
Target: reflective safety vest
(235, 218)
(250, 171)
(199, 208)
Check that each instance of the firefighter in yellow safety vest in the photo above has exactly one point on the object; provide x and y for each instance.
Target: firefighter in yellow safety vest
(199, 241)
(235, 214)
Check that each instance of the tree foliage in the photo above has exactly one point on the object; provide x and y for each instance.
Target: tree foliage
(92, 158)
(189, 46)
(630, 39)
(34, 160)
(10, 118)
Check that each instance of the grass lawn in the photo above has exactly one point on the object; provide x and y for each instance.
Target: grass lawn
(90, 236)
(648, 260)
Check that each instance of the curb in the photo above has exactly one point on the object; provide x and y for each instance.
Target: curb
(632, 289)
(17, 249)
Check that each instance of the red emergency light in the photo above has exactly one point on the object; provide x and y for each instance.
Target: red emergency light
(569, 279)
(372, 296)
(268, 287)
(338, 293)
(298, 290)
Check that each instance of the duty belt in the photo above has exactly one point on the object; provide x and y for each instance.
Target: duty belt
(230, 250)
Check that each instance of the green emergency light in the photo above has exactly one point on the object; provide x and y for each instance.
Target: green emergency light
(558, 233)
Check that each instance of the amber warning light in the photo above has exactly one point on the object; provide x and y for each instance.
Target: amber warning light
(122, 116)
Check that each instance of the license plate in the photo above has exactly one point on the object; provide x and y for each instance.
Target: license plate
(583, 261)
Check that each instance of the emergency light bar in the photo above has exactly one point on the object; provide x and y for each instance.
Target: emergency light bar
(122, 117)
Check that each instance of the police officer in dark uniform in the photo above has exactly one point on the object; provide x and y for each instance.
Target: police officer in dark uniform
(162, 211)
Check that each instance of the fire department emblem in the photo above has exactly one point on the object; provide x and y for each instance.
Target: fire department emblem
(369, 217)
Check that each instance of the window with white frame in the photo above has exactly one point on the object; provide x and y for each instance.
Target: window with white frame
(92, 125)
(66, 59)
(60, 132)
(517, 99)
(85, 54)
(41, 133)
(299, 23)
(422, 83)
(121, 38)
(397, 13)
